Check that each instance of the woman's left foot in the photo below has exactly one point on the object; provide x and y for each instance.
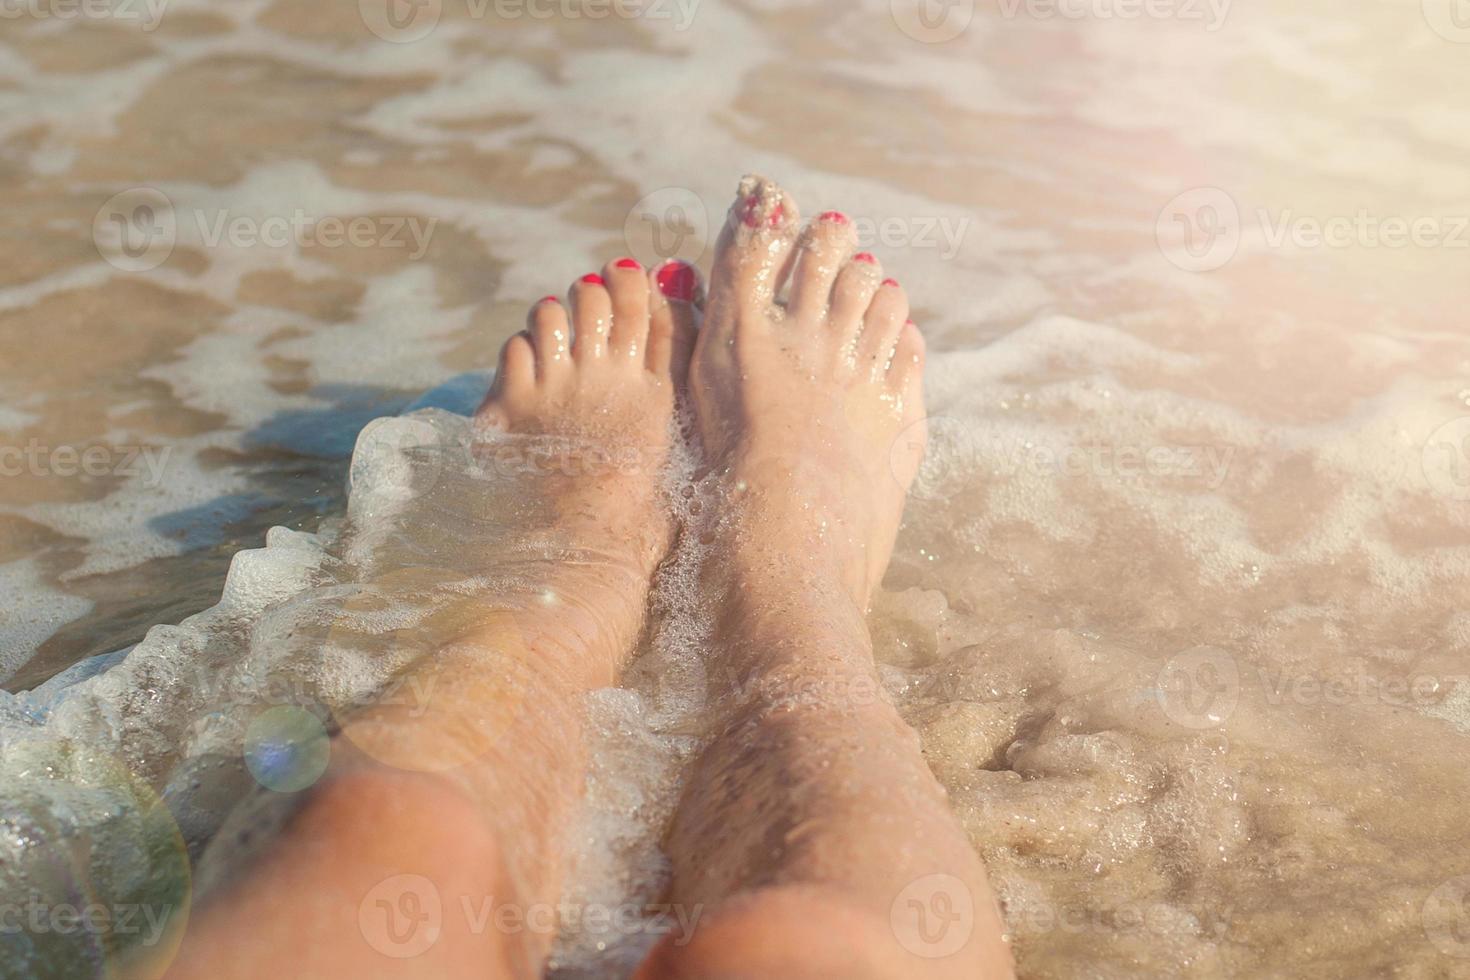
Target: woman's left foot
(593, 381)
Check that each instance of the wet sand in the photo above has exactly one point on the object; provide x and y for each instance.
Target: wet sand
(1177, 607)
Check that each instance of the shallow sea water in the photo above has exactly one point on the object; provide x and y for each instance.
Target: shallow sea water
(1178, 605)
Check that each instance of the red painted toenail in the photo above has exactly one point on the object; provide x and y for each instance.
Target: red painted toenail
(627, 264)
(750, 213)
(677, 280)
(865, 257)
(834, 216)
(890, 282)
(548, 299)
(592, 279)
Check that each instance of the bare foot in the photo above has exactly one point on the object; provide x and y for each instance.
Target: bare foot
(814, 409)
(592, 384)
(466, 793)
(810, 829)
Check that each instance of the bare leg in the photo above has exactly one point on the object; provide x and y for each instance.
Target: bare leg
(811, 831)
(424, 817)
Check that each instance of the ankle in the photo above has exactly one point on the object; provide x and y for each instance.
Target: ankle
(790, 556)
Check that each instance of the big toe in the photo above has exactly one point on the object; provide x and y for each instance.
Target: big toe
(751, 256)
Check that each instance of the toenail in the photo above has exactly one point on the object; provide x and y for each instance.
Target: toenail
(548, 299)
(592, 279)
(836, 217)
(751, 212)
(677, 280)
(627, 264)
(890, 282)
(865, 257)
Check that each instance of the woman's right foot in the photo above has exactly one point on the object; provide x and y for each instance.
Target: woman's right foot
(814, 409)
(810, 830)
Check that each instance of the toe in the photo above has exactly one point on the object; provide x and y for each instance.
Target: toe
(591, 318)
(906, 368)
(551, 336)
(853, 293)
(627, 284)
(881, 326)
(674, 298)
(515, 380)
(750, 256)
(823, 250)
